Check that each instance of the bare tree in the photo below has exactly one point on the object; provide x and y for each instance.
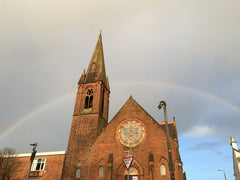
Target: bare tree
(8, 164)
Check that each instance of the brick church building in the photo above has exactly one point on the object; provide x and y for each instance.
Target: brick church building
(97, 146)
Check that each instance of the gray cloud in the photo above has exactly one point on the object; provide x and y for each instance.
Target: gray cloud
(45, 45)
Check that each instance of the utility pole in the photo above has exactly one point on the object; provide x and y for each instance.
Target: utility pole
(34, 151)
(170, 161)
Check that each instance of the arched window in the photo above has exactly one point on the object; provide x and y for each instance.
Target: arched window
(86, 102)
(89, 99)
(102, 107)
(101, 171)
(163, 170)
(78, 173)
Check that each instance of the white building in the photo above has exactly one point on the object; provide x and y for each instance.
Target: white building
(236, 159)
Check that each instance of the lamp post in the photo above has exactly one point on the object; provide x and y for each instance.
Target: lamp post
(34, 151)
(223, 173)
(170, 161)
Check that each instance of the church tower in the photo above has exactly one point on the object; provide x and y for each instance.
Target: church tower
(90, 116)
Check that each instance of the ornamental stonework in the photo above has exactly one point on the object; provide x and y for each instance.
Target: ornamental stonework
(131, 132)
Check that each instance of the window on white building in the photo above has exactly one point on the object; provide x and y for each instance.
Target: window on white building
(38, 164)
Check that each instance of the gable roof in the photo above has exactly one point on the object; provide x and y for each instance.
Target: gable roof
(131, 102)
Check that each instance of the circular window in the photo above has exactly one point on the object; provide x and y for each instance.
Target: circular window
(130, 133)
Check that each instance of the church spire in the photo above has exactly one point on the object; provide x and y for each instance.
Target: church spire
(96, 68)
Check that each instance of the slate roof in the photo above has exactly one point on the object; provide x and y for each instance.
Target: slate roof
(171, 127)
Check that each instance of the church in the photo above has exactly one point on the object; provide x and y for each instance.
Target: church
(131, 146)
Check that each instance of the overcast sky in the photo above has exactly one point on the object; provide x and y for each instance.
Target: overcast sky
(183, 52)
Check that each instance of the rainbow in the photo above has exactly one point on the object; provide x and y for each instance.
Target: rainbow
(40, 109)
(179, 87)
(30, 115)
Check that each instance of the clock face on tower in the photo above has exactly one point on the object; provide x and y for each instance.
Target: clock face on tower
(131, 132)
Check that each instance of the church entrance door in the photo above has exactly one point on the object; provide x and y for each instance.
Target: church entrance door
(131, 177)
(133, 174)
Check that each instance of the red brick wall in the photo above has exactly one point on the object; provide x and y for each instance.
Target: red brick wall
(155, 142)
(52, 170)
(87, 124)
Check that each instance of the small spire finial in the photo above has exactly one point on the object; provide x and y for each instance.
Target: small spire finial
(100, 35)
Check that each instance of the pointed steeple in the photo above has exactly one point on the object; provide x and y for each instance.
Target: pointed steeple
(96, 68)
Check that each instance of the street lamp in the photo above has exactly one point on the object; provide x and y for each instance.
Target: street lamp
(170, 162)
(223, 173)
(34, 151)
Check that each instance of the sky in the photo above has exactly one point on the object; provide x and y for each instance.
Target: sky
(183, 52)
